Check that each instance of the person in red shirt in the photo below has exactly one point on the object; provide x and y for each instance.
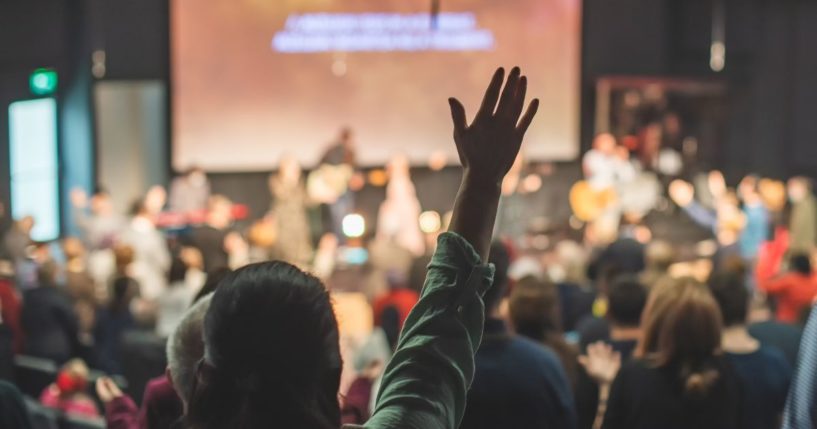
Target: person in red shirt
(795, 291)
(10, 306)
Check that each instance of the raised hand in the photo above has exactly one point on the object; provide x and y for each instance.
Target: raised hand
(681, 192)
(487, 149)
(601, 362)
(488, 146)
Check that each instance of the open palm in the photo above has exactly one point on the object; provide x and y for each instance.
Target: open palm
(488, 146)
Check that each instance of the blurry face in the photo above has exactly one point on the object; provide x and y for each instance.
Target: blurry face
(797, 191)
(101, 204)
(290, 170)
(197, 177)
(605, 143)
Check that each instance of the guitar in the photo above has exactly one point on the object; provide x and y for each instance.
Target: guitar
(327, 183)
(588, 203)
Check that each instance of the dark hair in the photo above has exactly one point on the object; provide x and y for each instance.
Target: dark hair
(272, 356)
(501, 259)
(682, 332)
(177, 272)
(626, 298)
(123, 290)
(47, 273)
(800, 263)
(535, 314)
(211, 284)
(732, 297)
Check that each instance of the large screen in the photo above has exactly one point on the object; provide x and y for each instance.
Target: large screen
(253, 80)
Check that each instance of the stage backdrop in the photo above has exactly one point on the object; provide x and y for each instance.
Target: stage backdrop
(256, 79)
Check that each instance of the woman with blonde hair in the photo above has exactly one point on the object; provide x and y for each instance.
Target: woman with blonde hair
(679, 379)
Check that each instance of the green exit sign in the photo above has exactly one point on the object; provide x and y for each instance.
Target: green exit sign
(43, 81)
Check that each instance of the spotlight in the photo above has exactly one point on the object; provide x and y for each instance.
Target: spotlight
(354, 226)
(430, 222)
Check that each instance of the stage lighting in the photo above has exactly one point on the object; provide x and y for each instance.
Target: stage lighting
(430, 222)
(354, 226)
(43, 81)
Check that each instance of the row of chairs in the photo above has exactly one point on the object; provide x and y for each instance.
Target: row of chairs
(49, 418)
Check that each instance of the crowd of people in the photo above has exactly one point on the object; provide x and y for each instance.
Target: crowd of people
(469, 330)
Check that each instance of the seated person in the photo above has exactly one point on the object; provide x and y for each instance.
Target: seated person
(162, 405)
(13, 411)
(68, 393)
(272, 355)
(519, 382)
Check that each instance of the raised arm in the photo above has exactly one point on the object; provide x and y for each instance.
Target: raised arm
(487, 149)
(426, 382)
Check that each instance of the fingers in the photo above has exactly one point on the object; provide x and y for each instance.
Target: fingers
(509, 94)
(519, 99)
(458, 115)
(527, 118)
(492, 93)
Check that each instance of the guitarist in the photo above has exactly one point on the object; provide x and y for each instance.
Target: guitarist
(606, 166)
(342, 154)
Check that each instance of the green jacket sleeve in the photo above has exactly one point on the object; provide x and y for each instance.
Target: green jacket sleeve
(425, 383)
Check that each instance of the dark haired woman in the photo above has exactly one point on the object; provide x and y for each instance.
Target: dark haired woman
(680, 380)
(272, 358)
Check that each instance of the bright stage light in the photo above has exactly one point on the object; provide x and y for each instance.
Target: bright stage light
(430, 222)
(354, 226)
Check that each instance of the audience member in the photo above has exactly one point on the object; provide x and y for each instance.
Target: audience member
(770, 332)
(535, 314)
(793, 292)
(101, 226)
(112, 321)
(392, 309)
(10, 306)
(68, 393)
(17, 239)
(212, 238)
(13, 411)
(166, 396)
(213, 280)
(679, 380)
(247, 380)
(518, 383)
(50, 325)
(78, 283)
(174, 301)
(151, 256)
(763, 371)
(626, 300)
(801, 404)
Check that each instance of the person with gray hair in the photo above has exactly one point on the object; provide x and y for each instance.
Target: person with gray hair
(166, 397)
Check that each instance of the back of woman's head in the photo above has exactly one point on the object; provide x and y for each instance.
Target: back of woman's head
(272, 357)
(682, 331)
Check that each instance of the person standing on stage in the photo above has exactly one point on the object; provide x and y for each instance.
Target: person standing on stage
(343, 154)
(289, 211)
(190, 192)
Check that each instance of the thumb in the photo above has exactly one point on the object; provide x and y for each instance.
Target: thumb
(457, 115)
